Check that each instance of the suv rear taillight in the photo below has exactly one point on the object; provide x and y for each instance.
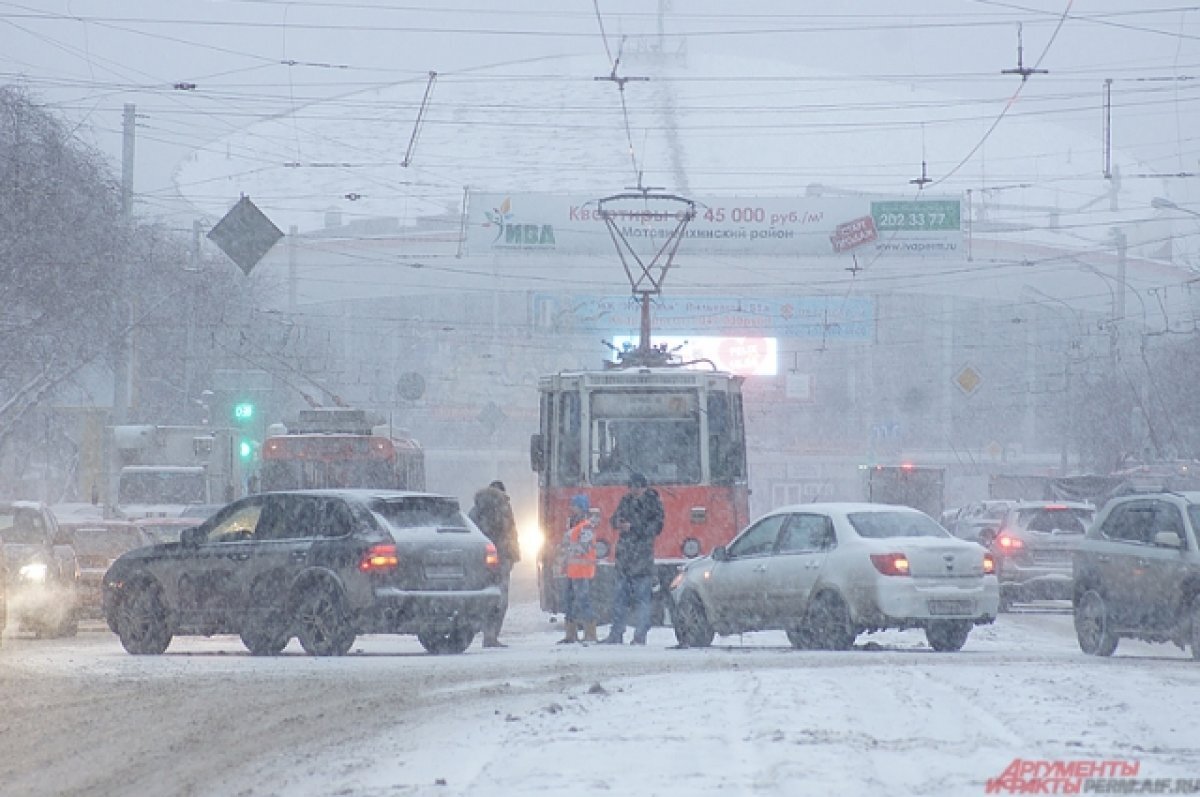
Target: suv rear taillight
(379, 558)
(492, 557)
(989, 564)
(891, 564)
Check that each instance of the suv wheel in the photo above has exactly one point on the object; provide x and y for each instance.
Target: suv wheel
(947, 635)
(827, 623)
(268, 635)
(692, 629)
(142, 620)
(456, 640)
(321, 623)
(1091, 625)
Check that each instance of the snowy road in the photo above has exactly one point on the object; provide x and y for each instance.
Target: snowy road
(749, 716)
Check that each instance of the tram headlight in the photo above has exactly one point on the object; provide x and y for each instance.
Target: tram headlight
(602, 548)
(691, 547)
(34, 571)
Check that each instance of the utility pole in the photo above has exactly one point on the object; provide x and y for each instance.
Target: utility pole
(122, 349)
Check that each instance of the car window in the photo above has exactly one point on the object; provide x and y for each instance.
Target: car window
(105, 542)
(237, 524)
(420, 512)
(1131, 522)
(1194, 518)
(759, 539)
(881, 525)
(22, 527)
(290, 517)
(1167, 517)
(336, 519)
(806, 533)
(1055, 518)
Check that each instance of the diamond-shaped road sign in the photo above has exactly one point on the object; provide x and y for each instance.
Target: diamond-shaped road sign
(968, 380)
(245, 234)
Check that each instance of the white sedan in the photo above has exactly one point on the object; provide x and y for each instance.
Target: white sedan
(825, 573)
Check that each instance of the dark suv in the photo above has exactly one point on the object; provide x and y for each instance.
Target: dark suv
(1137, 573)
(321, 565)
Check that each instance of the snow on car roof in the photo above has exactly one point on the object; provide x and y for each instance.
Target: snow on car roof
(843, 507)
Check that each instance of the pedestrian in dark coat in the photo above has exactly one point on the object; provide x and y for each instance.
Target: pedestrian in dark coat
(638, 520)
(493, 514)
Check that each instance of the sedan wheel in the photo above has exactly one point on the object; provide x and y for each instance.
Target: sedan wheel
(321, 623)
(456, 640)
(142, 621)
(828, 623)
(947, 635)
(692, 629)
(1091, 625)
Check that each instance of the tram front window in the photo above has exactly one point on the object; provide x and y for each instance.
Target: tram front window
(666, 451)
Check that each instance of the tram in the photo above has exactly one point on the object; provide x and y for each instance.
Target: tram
(682, 428)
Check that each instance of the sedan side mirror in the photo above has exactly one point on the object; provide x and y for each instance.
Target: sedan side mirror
(987, 537)
(719, 554)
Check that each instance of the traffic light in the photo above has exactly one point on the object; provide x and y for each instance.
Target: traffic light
(245, 449)
(243, 411)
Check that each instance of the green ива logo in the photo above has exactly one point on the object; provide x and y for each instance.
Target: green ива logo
(517, 235)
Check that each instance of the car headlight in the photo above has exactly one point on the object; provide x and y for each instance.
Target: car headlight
(34, 571)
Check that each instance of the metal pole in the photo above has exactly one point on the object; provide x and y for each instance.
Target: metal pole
(644, 343)
(122, 345)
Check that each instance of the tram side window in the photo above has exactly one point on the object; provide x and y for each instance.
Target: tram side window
(726, 456)
(569, 466)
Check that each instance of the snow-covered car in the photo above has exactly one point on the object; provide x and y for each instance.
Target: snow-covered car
(825, 573)
(1034, 545)
(42, 571)
(1137, 573)
(979, 519)
(321, 565)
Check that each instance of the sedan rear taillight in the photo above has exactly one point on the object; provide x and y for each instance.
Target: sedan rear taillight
(989, 564)
(891, 564)
(379, 558)
(492, 557)
(1007, 544)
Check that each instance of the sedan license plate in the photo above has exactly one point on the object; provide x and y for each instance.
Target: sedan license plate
(443, 571)
(951, 607)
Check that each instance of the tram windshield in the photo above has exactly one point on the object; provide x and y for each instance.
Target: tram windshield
(656, 434)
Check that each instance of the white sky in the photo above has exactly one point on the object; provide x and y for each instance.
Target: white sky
(254, 60)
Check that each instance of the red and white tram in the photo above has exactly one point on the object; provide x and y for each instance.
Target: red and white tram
(681, 428)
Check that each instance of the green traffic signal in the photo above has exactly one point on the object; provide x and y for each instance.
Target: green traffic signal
(245, 449)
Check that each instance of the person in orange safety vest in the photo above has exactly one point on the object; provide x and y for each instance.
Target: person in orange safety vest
(579, 545)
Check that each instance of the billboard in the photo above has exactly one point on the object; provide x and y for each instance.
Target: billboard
(742, 356)
(771, 226)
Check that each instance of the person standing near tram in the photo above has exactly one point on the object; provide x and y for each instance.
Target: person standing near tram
(493, 514)
(639, 521)
(579, 546)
